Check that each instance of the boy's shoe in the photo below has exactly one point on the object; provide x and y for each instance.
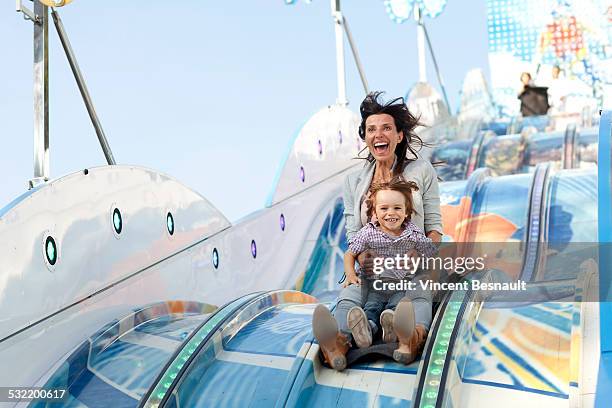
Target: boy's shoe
(333, 344)
(386, 322)
(411, 338)
(360, 327)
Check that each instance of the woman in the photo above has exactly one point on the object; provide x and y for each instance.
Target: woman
(388, 131)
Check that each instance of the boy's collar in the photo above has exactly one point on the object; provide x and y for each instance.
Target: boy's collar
(376, 224)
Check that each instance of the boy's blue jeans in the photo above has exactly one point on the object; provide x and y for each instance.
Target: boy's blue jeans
(377, 301)
(351, 296)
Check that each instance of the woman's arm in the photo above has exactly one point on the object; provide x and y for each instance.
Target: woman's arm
(351, 222)
(431, 204)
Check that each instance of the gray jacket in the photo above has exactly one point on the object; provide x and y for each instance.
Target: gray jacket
(426, 200)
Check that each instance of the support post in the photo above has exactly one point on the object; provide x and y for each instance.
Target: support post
(420, 42)
(78, 76)
(349, 37)
(435, 62)
(41, 95)
(340, 69)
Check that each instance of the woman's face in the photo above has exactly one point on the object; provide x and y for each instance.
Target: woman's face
(381, 136)
(525, 78)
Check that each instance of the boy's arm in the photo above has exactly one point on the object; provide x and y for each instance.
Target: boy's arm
(349, 270)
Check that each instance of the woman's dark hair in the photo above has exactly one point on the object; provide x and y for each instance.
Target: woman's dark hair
(405, 122)
(397, 183)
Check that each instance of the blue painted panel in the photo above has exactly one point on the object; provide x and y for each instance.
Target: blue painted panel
(226, 384)
(603, 396)
(277, 331)
(604, 380)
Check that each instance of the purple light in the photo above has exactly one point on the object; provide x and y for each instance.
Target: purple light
(253, 249)
(320, 148)
(282, 222)
(302, 174)
(340, 136)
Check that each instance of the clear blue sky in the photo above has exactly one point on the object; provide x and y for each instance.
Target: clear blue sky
(209, 92)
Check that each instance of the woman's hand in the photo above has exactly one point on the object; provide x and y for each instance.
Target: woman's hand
(351, 279)
(435, 236)
(366, 261)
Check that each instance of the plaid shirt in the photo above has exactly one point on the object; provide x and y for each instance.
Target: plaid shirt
(389, 246)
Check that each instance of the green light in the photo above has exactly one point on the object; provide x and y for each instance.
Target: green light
(431, 394)
(160, 395)
(439, 362)
(117, 221)
(443, 343)
(167, 385)
(446, 334)
(51, 251)
(170, 223)
(436, 371)
(441, 351)
(429, 406)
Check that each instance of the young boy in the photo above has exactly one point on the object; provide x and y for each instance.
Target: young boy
(392, 234)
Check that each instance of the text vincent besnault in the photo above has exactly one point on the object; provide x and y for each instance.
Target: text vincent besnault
(475, 284)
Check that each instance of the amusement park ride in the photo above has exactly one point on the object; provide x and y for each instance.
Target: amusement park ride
(119, 286)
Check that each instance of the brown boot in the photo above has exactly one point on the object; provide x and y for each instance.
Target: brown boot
(333, 344)
(411, 338)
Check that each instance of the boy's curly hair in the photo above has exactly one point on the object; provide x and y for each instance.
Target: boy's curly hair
(397, 183)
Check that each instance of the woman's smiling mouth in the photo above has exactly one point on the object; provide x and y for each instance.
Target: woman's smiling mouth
(381, 147)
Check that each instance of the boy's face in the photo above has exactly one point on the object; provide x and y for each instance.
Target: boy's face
(390, 209)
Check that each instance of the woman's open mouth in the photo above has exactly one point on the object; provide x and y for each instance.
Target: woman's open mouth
(381, 148)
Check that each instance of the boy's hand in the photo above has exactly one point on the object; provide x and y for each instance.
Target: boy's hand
(351, 279)
(366, 261)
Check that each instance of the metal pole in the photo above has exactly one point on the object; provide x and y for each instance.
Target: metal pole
(420, 43)
(83, 88)
(364, 81)
(340, 70)
(435, 62)
(41, 95)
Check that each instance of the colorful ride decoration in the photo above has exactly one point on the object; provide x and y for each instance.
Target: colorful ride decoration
(534, 36)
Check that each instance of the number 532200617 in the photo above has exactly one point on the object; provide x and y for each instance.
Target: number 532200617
(16, 394)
